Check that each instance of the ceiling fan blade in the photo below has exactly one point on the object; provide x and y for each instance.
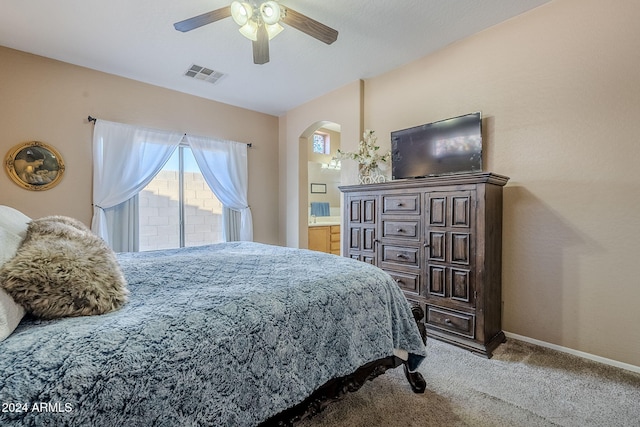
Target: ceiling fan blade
(309, 26)
(261, 46)
(204, 19)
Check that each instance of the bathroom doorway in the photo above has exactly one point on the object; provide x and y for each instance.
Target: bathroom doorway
(323, 198)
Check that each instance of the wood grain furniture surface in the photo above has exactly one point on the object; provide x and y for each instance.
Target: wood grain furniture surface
(440, 239)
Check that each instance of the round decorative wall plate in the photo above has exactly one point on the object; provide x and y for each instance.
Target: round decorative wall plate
(34, 165)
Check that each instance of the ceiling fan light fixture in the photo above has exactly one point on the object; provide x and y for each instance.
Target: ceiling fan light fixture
(250, 30)
(273, 30)
(241, 12)
(259, 21)
(270, 12)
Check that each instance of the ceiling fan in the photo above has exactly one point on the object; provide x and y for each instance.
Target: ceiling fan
(260, 21)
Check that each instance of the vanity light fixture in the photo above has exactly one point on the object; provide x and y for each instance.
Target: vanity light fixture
(334, 164)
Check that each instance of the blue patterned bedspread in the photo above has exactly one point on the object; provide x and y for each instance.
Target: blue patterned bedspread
(224, 335)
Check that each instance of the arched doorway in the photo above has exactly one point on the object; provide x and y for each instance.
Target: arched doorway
(319, 178)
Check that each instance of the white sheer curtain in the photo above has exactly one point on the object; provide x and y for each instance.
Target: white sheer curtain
(125, 160)
(123, 226)
(224, 167)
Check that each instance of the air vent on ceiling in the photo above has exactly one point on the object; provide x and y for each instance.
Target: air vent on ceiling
(204, 74)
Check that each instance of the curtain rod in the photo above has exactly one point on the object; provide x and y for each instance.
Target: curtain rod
(93, 119)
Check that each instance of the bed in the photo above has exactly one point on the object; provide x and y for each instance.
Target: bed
(232, 334)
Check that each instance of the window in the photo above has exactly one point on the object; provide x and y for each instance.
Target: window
(177, 208)
(321, 143)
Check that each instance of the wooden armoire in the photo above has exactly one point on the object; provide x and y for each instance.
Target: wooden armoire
(440, 239)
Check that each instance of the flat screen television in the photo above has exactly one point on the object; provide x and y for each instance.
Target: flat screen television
(449, 146)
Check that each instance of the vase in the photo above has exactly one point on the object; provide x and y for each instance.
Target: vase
(370, 175)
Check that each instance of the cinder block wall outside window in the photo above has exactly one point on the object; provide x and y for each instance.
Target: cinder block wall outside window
(159, 227)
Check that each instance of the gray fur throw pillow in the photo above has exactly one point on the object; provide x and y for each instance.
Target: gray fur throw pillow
(63, 269)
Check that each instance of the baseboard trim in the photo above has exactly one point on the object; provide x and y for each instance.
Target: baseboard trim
(582, 354)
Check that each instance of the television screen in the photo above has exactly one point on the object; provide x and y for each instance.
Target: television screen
(448, 146)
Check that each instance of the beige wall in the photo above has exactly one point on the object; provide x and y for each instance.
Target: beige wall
(49, 101)
(560, 95)
(559, 90)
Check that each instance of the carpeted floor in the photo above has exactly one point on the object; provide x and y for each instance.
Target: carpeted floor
(522, 385)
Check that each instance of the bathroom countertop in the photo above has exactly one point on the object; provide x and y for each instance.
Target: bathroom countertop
(324, 221)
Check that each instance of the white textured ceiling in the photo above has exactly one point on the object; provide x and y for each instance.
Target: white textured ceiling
(136, 39)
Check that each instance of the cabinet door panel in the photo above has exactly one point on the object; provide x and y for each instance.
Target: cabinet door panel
(319, 239)
(361, 233)
(369, 211)
(460, 285)
(368, 239)
(437, 246)
(450, 209)
(460, 246)
(461, 211)
(354, 238)
(355, 211)
(437, 211)
(436, 280)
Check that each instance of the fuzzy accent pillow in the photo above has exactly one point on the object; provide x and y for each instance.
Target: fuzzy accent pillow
(63, 269)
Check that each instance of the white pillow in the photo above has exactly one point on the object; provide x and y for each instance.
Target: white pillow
(10, 314)
(9, 244)
(13, 228)
(14, 221)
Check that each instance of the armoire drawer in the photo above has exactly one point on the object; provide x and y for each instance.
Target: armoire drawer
(401, 229)
(408, 282)
(400, 255)
(401, 203)
(450, 320)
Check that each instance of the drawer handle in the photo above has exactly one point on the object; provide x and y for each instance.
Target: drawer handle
(399, 230)
(398, 204)
(447, 321)
(401, 256)
(399, 281)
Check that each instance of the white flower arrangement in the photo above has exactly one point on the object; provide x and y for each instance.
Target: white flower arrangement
(367, 155)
